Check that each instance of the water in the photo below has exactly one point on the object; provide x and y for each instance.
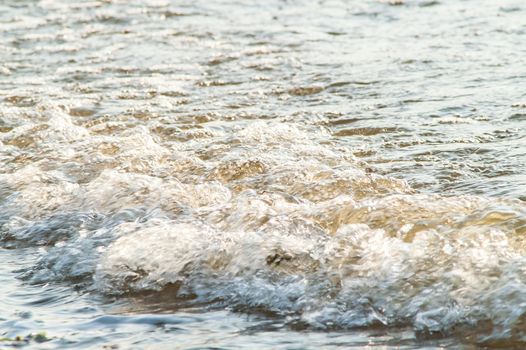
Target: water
(277, 174)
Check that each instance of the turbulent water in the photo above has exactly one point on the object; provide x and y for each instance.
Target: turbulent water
(276, 174)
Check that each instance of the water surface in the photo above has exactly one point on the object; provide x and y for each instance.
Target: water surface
(278, 174)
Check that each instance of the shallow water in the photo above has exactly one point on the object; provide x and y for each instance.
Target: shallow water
(280, 174)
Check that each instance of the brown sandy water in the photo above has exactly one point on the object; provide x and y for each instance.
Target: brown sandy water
(279, 174)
